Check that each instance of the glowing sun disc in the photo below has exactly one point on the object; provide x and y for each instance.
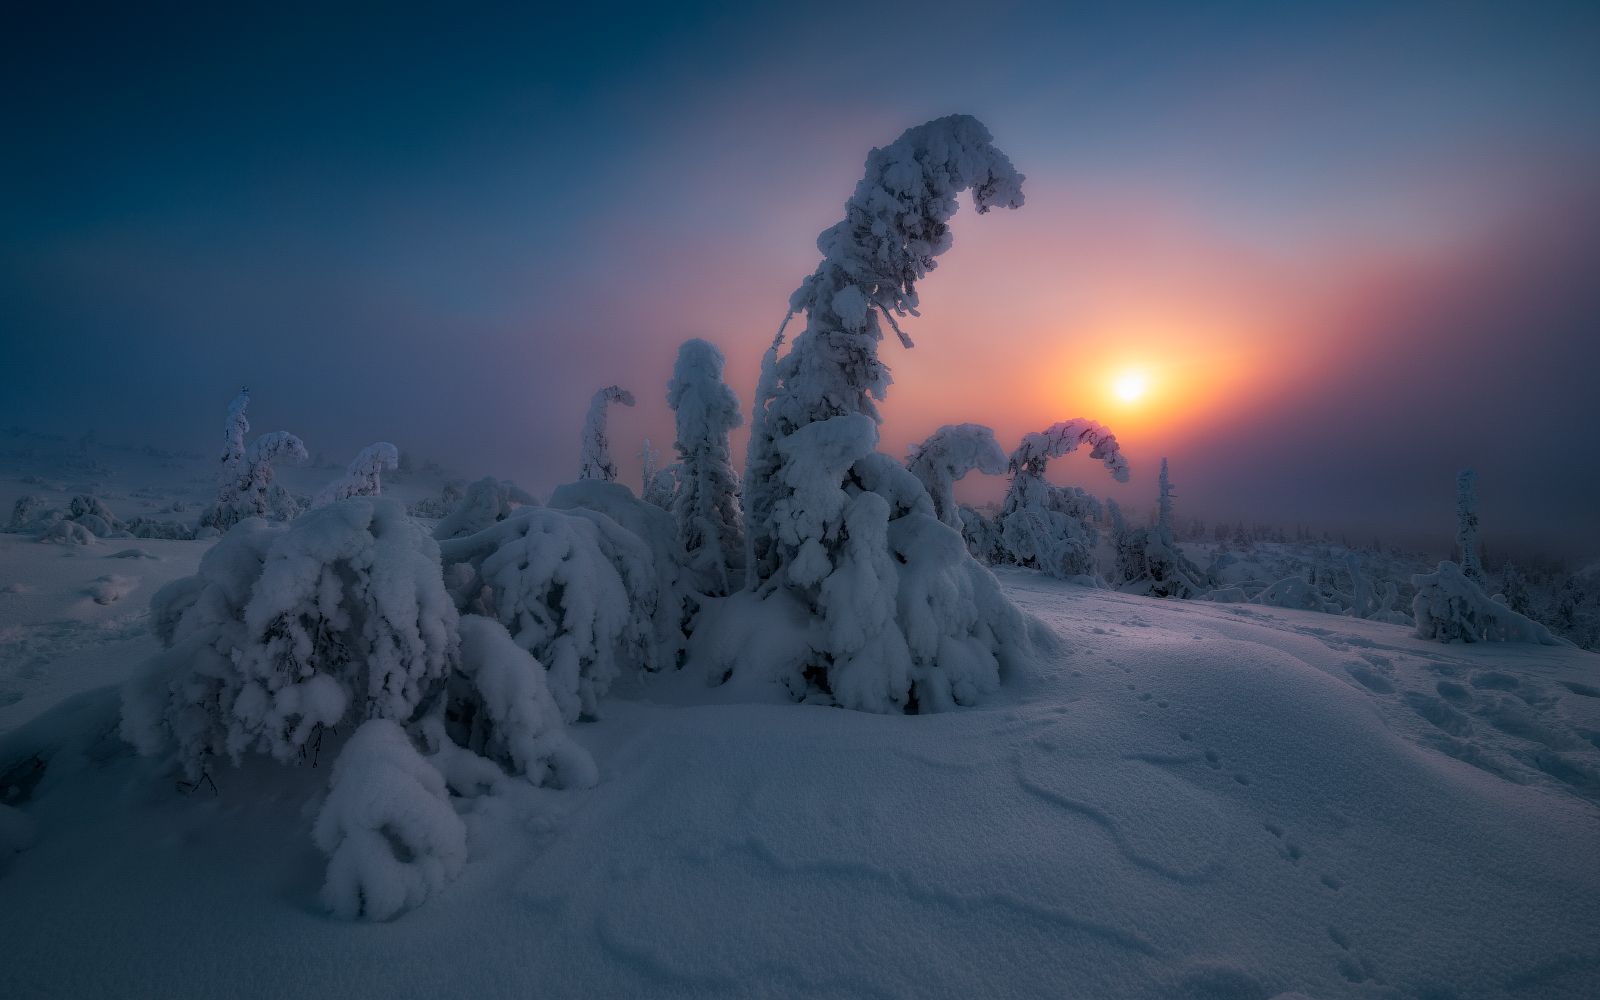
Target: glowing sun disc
(1131, 386)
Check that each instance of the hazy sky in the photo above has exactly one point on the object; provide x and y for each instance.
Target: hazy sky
(1353, 250)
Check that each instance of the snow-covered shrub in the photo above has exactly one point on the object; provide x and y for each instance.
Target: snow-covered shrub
(244, 484)
(288, 630)
(899, 615)
(388, 829)
(572, 587)
(449, 498)
(501, 708)
(949, 454)
(1052, 528)
(145, 527)
(669, 609)
(706, 507)
(67, 533)
(1299, 594)
(1514, 589)
(33, 515)
(1450, 607)
(1467, 524)
(91, 512)
(596, 458)
(486, 502)
(364, 477)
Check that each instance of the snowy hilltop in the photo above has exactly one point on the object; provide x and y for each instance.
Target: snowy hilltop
(810, 728)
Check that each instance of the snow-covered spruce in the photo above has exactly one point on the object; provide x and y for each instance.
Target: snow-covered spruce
(1467, 525)
(670, 609)
(1148, 560)
(657, 486)
(501, 708)
(706, 507)
(947, 455)
(1052, 528)
(244, 483)
(364, 477)
(388, 829)
(1450, 607)
(287, 631)
(901, 617)
(572, 587)
(596, 458)
(981, 532)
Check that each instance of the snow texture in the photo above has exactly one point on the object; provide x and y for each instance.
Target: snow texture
(364, 477)
(596, 457)
(947, 455)
(706, 508)
(387, 827)
(1450, 607)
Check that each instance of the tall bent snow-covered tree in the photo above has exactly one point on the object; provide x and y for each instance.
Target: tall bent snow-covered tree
(1051, 528)
(946, 456)
(899, 616)
(706, 507)
(1467, 524)
(597, 462)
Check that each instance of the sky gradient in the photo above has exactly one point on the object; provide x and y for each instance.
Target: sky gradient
(1354, 248)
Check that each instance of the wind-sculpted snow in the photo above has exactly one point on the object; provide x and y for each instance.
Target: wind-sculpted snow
(1193, 800)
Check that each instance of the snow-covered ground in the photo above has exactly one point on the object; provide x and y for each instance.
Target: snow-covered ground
(1186, 800)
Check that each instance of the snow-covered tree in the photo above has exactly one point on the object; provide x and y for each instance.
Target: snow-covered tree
(1514, 588)
(364, 477)
(706, 507)
(1450, 607)
(487, 501)
(1467, 524)
(902, 617)
(596, 460)
(1052, 528)
(949, 454)
(657, 486)
(1148, 560)
(245, 483)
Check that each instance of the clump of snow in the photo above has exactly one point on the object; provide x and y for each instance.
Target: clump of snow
(68, 533)
(947, 455)
(111, 588)
(706, 507)
(595, 462)
(387, 827)
(486, 502)
(1450, 607)
(364, 477)
(1052, 528)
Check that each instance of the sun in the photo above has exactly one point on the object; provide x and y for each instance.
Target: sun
(1130, 386)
